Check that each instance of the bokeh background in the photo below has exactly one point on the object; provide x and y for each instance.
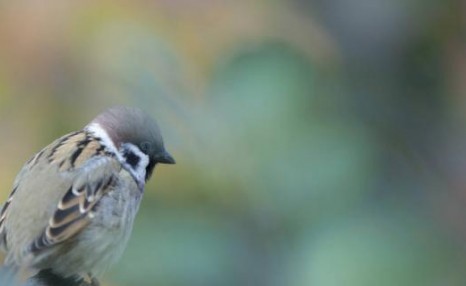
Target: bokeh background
(318, 142)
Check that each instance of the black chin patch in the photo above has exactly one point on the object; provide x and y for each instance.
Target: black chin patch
(47, 277)
(150, 168)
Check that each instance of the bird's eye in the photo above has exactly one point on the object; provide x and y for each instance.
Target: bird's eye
(146, 147)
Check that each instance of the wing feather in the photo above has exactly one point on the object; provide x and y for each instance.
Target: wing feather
(75, 210)
(81, 169)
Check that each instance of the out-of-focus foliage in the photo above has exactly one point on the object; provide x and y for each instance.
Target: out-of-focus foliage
(317, 142)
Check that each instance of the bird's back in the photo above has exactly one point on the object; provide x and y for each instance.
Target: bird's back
(20, 226)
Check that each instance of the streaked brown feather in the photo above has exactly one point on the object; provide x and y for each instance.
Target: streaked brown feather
(75, 209)
(91, 149)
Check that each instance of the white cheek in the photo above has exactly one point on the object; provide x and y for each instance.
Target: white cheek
(138, 171)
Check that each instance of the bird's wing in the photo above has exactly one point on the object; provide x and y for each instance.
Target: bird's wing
(75, 209)
(55, 193)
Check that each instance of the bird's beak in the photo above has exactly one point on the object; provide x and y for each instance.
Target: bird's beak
(165, 158)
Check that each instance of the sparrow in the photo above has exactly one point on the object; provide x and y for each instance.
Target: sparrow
(72, 205)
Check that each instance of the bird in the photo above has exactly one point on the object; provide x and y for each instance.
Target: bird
(72, 205)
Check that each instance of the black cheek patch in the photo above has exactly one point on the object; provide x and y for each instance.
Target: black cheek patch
(132, 159)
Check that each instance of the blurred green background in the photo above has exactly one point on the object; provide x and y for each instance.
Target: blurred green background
(317, 142)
